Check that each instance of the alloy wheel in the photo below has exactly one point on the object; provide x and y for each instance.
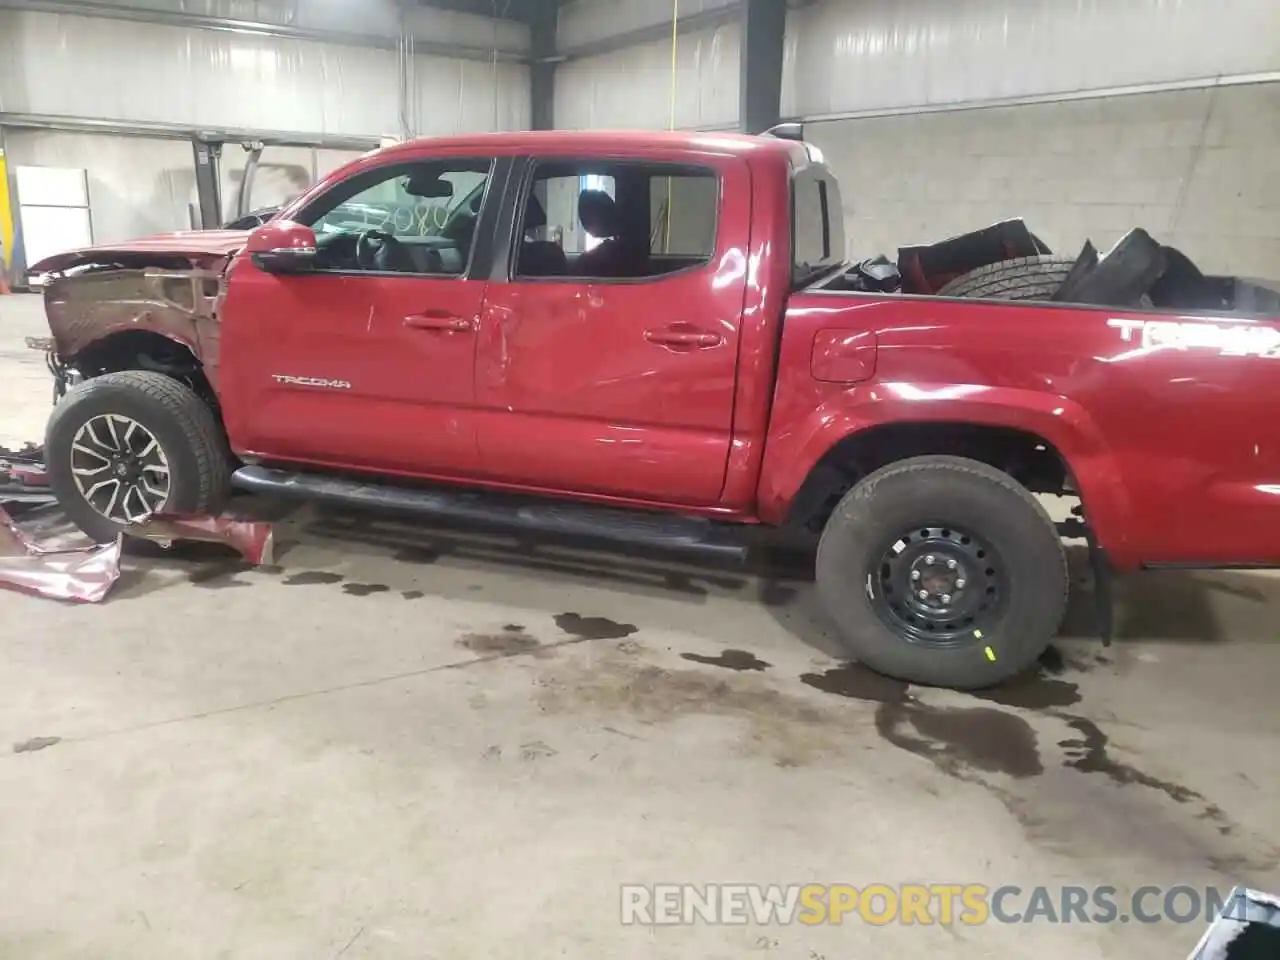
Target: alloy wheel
(120, 468)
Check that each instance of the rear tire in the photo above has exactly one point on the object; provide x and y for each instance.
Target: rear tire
(995, 536)
(190, 461)
(1027, 278)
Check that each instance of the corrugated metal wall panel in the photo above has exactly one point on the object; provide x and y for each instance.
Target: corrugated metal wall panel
(589, 21)
(886, 54)
(367, 18)
(632, 87)
(55, 64)
(72, 65)
(448, 26)
(469, 96)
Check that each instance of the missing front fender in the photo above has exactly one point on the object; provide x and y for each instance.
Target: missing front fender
(64, 376)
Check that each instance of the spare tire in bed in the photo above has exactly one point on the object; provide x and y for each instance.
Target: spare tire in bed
(1027, 278)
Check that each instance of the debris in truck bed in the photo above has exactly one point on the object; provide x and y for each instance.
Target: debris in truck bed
(928, 268)
(1006, 261)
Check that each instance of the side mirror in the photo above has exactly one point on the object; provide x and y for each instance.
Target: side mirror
(282, 246)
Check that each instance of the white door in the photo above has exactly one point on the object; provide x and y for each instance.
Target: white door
(53, 210)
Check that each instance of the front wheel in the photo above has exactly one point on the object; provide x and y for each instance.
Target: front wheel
(943, 571)
(124, 446)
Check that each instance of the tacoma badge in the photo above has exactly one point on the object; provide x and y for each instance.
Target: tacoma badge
(311, 382)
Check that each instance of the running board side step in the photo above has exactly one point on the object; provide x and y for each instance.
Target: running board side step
(555, 518)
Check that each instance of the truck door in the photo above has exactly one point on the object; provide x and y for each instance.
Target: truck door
(609, 340)
(367, 360)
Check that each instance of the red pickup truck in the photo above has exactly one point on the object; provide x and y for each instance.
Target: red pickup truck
(654, 339)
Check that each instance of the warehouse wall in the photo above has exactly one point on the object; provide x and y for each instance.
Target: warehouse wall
(890, 89)
(1194, 166)
(56, 64)
(1197, 168)
(137, 185)
(631, 87)
(118, 71)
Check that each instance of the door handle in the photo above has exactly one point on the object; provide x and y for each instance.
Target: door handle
(684, 338)
(439, 321)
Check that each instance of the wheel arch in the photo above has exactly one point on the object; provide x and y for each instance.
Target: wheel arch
(1048, 443)
(145, 349)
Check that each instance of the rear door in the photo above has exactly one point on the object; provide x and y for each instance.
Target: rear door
(615, 374)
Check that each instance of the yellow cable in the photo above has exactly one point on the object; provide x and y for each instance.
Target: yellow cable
(675, 23)
(675, 45)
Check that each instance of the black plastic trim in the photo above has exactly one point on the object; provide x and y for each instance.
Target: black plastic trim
(508, 214)
(557, 518)
(490, 220)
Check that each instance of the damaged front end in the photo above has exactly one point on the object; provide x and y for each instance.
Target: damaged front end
(113, 317)
(150, 305)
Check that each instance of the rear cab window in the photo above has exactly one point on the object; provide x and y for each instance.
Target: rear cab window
(817, 223)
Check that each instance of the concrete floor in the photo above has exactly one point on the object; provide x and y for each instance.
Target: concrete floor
(406, 743)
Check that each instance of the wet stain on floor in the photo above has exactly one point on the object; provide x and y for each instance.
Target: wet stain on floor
(593, 628)
(954, 739)
(783, 727)
(308, 578)
(419, 555)
(1088, 753)
(683, 583)
(35, 743)
(1053, 662)
(774, 594)
(961, 739)
(730, 660)
(364, 589)
(220, 575)
(412, 594)
(857, 682)
(1032, 692)
(510, 641)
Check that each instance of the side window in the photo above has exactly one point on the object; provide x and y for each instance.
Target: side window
(417, 218)
(616, 220)
(817, 226)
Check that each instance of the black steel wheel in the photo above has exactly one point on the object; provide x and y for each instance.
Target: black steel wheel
(935, 585)
(943, 571)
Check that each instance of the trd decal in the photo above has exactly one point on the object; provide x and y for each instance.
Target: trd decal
(1230, 340)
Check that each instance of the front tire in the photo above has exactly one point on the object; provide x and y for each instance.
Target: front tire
(125, 445)
(943, 571)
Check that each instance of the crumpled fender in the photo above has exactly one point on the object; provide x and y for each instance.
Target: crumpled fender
(793, 451)
(180, 305)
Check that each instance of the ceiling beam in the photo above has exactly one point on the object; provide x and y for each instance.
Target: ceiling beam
(523, 11)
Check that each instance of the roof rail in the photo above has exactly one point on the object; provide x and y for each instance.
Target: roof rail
(786, 131)
(794, 131)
